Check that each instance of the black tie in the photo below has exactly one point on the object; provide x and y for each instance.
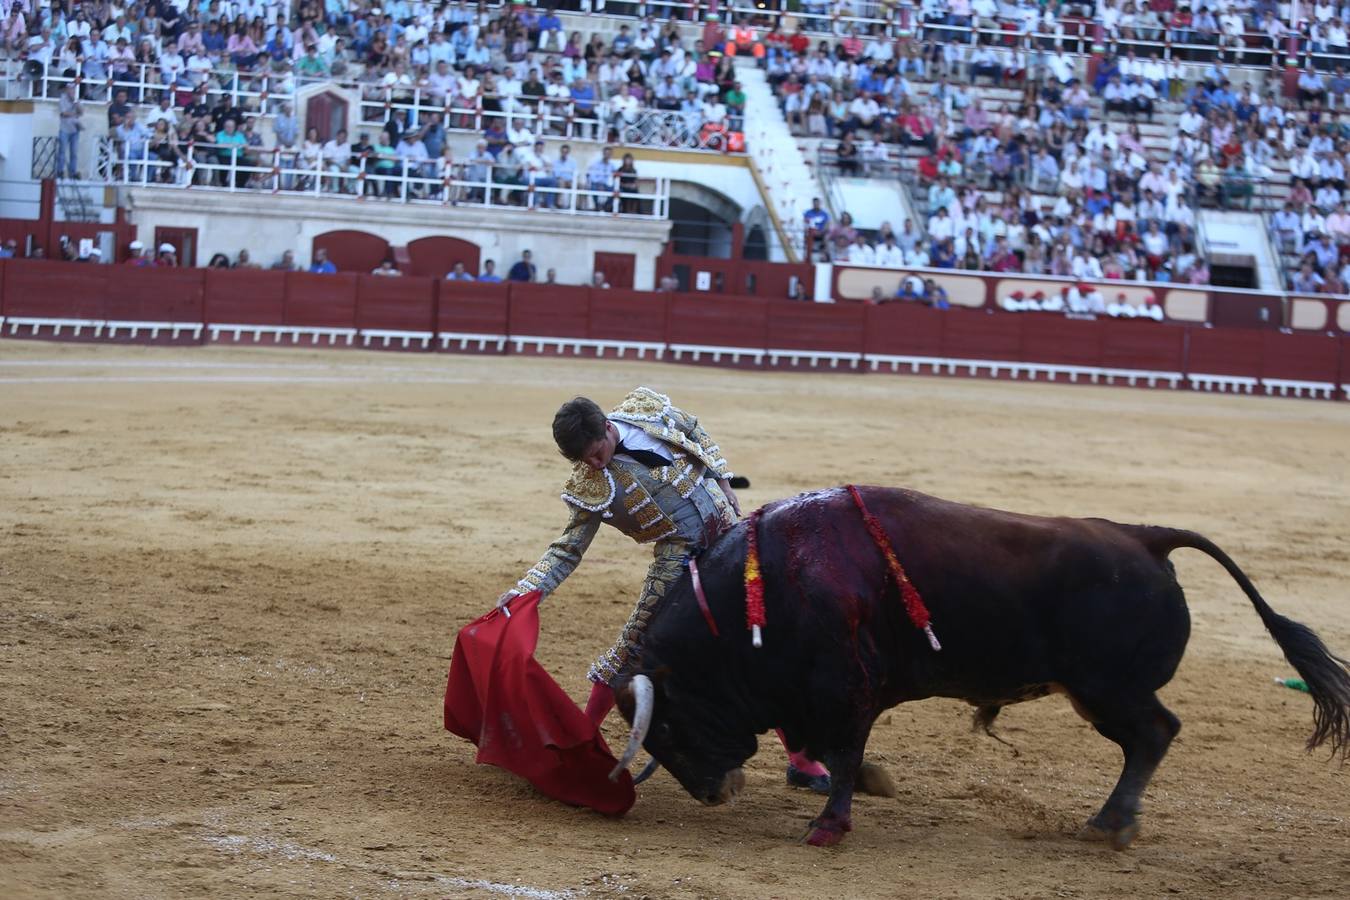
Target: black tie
(648, 458)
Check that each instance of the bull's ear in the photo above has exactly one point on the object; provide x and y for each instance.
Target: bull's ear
(660, 676)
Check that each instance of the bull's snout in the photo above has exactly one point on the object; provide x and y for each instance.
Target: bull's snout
(732, 784)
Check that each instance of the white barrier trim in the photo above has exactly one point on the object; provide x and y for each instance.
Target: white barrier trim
(815, 357)
(1015, 370)
(174, 328)
(1284, 387)
(698, 351)
(599, 345)
(466, 338)
(392, 334)
(36, 324)
(1237, 383)
(295, 332)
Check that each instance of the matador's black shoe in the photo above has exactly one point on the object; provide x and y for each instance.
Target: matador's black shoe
(797, 778)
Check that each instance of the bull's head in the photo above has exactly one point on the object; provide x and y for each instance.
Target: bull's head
(689, 738)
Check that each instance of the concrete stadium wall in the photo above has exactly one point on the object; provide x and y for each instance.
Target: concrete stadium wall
(70, 301)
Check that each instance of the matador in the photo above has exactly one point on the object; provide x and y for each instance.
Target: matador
(652, 471)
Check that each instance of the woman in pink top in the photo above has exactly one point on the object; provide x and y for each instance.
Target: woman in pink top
(243, 52)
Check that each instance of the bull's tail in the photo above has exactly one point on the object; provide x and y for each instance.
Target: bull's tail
(1327, 675)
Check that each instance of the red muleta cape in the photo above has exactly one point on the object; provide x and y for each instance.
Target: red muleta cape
(500, 698)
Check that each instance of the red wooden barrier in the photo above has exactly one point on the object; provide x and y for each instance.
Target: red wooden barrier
(244, 296)
(816, 326)
(472, 307)
(549, 310)
(152, 294)
(903, 329)
(1148, 345)
(1051, 338)
(395, 304)
(718, 320)
(55, 290)
(1229, 351)
(1300, 357)
(622, 315)
(320, 301)
(976, 334)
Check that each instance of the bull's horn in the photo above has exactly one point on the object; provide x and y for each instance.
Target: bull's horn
(643, 694)
(647, 771)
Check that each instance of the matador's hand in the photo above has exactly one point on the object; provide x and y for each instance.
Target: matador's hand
(731, 496)
(507, 597)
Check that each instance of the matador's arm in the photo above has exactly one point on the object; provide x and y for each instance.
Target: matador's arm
(561, 557)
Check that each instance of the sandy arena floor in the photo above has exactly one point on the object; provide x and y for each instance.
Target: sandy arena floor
(230, 582)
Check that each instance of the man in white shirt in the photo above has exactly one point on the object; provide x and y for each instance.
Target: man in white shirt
(1061, 67)
(1190, 122)
(509, 90)
(171, 66)
(164, 112)
(336, 156)
(889, 254)
(860, 253)
(442, 84)
(940, 225)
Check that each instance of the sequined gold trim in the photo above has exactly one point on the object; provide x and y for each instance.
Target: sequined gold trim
(644, 405)
(589, 489)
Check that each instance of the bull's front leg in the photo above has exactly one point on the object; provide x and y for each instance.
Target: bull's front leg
(836, 819)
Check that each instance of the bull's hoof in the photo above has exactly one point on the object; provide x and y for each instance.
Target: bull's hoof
(797, 778)
(874, 780)
(1118, 838)
(827, 834)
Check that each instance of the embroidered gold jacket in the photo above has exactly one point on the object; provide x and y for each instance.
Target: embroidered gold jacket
(640, 502)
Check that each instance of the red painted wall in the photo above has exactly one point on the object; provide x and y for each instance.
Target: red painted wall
(54, 290)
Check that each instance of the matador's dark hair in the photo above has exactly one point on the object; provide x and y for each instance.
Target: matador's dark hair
(578, 424)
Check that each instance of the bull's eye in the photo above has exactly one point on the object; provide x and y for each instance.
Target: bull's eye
(663, 730)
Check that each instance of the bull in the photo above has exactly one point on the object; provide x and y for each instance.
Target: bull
(1024, 606)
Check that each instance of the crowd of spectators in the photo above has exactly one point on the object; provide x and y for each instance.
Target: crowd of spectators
(1061, 180)
(509, 71)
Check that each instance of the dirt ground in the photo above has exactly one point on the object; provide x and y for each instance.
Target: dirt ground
(230, 581)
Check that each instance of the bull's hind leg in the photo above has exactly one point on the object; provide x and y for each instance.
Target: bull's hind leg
(1144, 729)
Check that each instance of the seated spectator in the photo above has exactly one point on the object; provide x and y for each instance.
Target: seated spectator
(889, 253)
(489, 273)
(935, 295)
(387, 269)
(911, 289)
(523, 270)
(459, 273)
(1306, 280)
(860, 253)
(321, 264)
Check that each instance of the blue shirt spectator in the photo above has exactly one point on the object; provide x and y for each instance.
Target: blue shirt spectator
(322, 265)
(816, 218)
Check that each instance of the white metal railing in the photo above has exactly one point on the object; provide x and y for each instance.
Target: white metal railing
(259, 93)
(550, 118)
(218, 167)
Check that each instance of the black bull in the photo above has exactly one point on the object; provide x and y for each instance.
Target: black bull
(1023, 605)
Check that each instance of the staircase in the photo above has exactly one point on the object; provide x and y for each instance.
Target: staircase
(77, 202)
(785, 179)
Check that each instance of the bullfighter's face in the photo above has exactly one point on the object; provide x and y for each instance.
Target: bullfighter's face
(600, 452)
